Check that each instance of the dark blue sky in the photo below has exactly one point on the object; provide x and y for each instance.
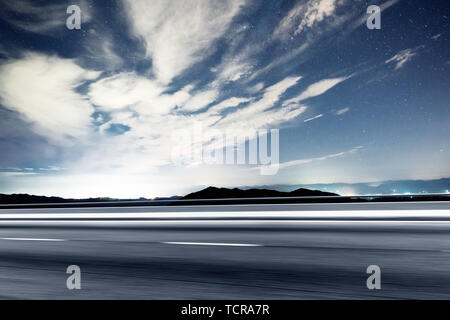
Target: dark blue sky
(92, 112)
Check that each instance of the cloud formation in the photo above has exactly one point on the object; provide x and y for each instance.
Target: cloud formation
(305, 15)
(43, 90)
(137, 75)
(178, 34)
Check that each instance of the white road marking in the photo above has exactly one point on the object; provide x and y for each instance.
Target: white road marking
(31, 239)
(215, 244)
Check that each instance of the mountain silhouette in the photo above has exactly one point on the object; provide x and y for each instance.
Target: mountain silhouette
(225, 193)
(212, 196)
(27, 198)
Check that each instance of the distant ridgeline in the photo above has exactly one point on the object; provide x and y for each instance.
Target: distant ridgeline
(400, 187)
(255, 196)
(26, 198)
(302, 195)
(208, 193)
(214, 196)
(222, 193)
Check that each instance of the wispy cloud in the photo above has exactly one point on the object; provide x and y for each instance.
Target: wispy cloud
(201, 99)
(178, 34)
(100, 51)
(50, 168)
(313, 118)
(272, 95)
(228, 103)
(316, 89)
(305, 15)
(342, 111)
(403, 57)
(38, 18)
(436, 36)
(323, 158)
(233, 67)
(16, 173)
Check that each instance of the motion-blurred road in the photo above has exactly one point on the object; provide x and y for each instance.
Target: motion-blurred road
(305, 251)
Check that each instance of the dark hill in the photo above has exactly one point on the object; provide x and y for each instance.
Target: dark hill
(225, 193)
(26, 198)
(310, 193)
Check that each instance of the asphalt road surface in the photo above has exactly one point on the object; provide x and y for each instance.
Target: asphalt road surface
(306, 251)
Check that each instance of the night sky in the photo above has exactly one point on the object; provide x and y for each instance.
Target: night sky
(92, 112)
